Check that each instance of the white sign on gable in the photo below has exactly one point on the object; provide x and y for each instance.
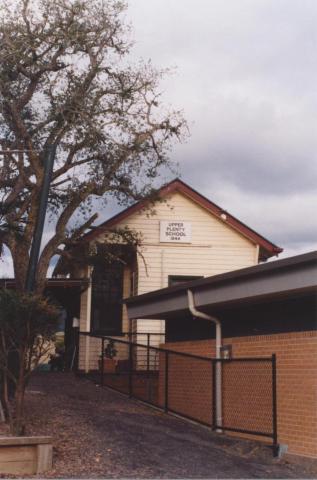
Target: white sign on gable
(175, 231)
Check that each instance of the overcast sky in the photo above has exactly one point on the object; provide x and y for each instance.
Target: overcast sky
(246, 79)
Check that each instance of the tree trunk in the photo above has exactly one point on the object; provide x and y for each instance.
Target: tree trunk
(41, 275)
(20, 257)
(5, 400)
(18, 421)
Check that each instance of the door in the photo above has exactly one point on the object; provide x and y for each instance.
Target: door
(107, 293)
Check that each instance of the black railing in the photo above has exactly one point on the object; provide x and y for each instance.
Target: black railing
(234, 395)
(148, 337)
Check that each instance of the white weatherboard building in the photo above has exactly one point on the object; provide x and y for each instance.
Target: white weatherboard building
(187, 237)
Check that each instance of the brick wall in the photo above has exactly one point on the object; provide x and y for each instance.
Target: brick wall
(296, 384)
(189, 386)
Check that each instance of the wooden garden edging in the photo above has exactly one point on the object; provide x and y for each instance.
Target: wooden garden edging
(25, 455)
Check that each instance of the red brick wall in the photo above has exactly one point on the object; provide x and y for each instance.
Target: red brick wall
(246, 391)
(296, 384)
(189, 386)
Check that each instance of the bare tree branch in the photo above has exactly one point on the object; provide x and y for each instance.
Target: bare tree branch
(65, 79)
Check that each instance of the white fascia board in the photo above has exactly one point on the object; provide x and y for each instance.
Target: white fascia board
(270, 284)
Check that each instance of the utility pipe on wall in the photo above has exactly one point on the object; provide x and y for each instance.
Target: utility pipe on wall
(196, 313)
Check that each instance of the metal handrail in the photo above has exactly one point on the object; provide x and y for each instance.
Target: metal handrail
(184, 354)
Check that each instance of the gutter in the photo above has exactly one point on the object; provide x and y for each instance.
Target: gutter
(260, 271)
(196, 313)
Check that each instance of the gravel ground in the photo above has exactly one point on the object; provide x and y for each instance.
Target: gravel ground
(99, 433)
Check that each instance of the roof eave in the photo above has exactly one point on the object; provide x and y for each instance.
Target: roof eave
(275, 278)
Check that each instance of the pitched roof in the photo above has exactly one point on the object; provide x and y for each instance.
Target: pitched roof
(267, 248)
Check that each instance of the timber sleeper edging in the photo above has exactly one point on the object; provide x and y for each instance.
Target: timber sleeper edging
(25, 455)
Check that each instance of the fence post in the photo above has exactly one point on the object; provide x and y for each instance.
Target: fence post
(130, 368)
(102, 366)
(130, 330)
(274, 405)
(74, 366)
(148, 352)
(214, 412)
(166, 383)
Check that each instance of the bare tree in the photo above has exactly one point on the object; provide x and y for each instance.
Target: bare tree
(65, 80)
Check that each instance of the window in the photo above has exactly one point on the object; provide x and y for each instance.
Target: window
(106, 302)
(178, 279)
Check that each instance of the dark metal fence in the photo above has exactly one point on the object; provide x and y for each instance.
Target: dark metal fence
(236, 395)
(147, 338)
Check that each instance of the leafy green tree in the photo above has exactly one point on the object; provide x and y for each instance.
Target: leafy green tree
(65, 79)
(27, 327)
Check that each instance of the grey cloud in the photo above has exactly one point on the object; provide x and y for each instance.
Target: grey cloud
(288, 221)
(246, 79)
(268, 42)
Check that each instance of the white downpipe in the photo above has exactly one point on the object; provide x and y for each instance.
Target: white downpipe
(196, 313)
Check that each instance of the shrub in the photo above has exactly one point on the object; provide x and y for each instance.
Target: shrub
(27, 325)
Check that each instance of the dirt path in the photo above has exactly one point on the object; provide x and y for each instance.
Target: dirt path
(101, 434)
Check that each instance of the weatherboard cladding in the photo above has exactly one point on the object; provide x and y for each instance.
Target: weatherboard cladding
(214, 248)
(267, 248)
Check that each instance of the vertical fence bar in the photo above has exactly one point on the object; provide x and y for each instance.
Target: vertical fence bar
(75, 360)
(130, 330)
(148, 352)
(102, 366)
(148, 380)
(166, 383)
(214, 393)
(274, 405)
(130, 368)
